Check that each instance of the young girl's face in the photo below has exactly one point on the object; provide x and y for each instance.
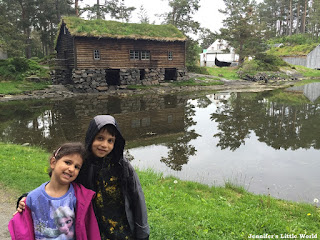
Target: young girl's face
(66, 169)
(103, 143)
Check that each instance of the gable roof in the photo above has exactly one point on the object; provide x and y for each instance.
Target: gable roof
(112, 29)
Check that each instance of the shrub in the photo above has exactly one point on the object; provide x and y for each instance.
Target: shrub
(19, 64)
(197, 69)
(19, 68)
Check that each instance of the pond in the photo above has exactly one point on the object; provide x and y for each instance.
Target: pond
(267, 142)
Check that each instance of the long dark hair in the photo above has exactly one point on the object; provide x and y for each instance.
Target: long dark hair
(67, 149)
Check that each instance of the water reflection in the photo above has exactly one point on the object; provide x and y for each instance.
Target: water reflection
(311, 91)
(211, 138)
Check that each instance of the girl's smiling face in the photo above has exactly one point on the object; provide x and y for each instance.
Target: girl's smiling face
(103, 143)
(66, 169)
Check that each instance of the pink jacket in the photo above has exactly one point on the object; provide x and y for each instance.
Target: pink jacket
(86, 226)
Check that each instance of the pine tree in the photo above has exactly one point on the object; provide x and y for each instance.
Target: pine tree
(242, 28)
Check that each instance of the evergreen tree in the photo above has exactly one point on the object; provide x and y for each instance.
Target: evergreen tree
(242, 29)
(116, 9)
(315, 19)
(181, 15)
(143, 16)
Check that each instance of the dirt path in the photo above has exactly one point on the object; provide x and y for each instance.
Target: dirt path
(7, 208)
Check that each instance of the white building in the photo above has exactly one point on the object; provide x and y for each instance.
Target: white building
(218, 49)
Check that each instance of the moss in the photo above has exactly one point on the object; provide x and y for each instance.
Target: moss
(102, 28)
(296, 50)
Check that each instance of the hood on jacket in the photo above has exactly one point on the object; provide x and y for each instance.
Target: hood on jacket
(96, 124)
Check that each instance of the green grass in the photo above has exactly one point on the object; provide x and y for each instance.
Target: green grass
(19, 87)
(22, 168)
(296, 50)
(102, 28)
(199, 82)
(308, 72)
(182, 209)
(224, 72)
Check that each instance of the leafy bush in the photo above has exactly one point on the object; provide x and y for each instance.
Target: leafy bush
(20, 64)
(19, 68)
(263, 62)
(197, 69)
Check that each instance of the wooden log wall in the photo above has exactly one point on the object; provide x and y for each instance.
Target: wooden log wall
(65, 49)
(115, 53)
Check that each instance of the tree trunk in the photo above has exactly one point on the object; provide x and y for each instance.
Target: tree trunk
(298, 17)
(57, 10)
(303, 24)
(76, 7)
(290, 18)
(98, 10)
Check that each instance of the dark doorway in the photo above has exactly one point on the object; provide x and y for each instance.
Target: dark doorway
(113, 76)
(170, 74)
(142, 74)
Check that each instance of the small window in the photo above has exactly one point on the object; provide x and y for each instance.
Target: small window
(170, 55)
(145, 55)
(96, 54)
(134, 55)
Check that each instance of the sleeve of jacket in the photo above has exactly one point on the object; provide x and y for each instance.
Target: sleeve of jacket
(142, 229)
(21, 226)
(92, 226)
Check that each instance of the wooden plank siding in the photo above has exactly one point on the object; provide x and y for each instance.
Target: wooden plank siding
(115, 53)
(65, 49)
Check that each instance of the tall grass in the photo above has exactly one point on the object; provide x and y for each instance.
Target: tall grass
(182, 209)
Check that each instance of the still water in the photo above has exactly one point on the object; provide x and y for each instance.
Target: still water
(267, 142)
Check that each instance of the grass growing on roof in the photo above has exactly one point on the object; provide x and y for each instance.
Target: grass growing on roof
(296, 50)
(102, 28)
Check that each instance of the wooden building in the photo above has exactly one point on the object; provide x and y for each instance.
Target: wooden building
(92, 55)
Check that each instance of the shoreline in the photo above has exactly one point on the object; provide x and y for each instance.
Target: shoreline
(61, 91)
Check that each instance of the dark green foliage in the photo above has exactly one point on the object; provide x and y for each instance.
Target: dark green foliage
(19, 64)
(197, 69)
(192, 50)
(262, 62)
(267, 62)
(19, 68)
(296, 39)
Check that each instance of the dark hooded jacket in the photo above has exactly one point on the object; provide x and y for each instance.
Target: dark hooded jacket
(134, 201)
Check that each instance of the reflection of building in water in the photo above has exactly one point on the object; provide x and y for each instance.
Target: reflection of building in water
(138, 117)
(218, 97)
(311, 90)
(43, 123)
(50, 123)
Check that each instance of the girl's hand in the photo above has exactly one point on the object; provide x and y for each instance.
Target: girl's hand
(21, 206)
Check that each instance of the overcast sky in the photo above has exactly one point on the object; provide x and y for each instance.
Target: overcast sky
(208, 15)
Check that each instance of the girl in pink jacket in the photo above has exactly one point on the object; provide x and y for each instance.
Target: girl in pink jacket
(58, 209)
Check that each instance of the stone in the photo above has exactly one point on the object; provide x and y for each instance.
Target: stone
(102, 89)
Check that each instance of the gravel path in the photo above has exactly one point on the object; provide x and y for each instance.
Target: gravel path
(7, 208)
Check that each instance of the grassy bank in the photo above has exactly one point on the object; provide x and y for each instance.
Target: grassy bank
(20, 87)
(180, 209)
(14, 73)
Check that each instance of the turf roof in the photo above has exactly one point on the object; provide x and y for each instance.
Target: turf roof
(112, 29)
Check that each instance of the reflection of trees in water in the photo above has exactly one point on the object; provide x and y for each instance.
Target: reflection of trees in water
(279, 125)
(180, 150)
(38, 122)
